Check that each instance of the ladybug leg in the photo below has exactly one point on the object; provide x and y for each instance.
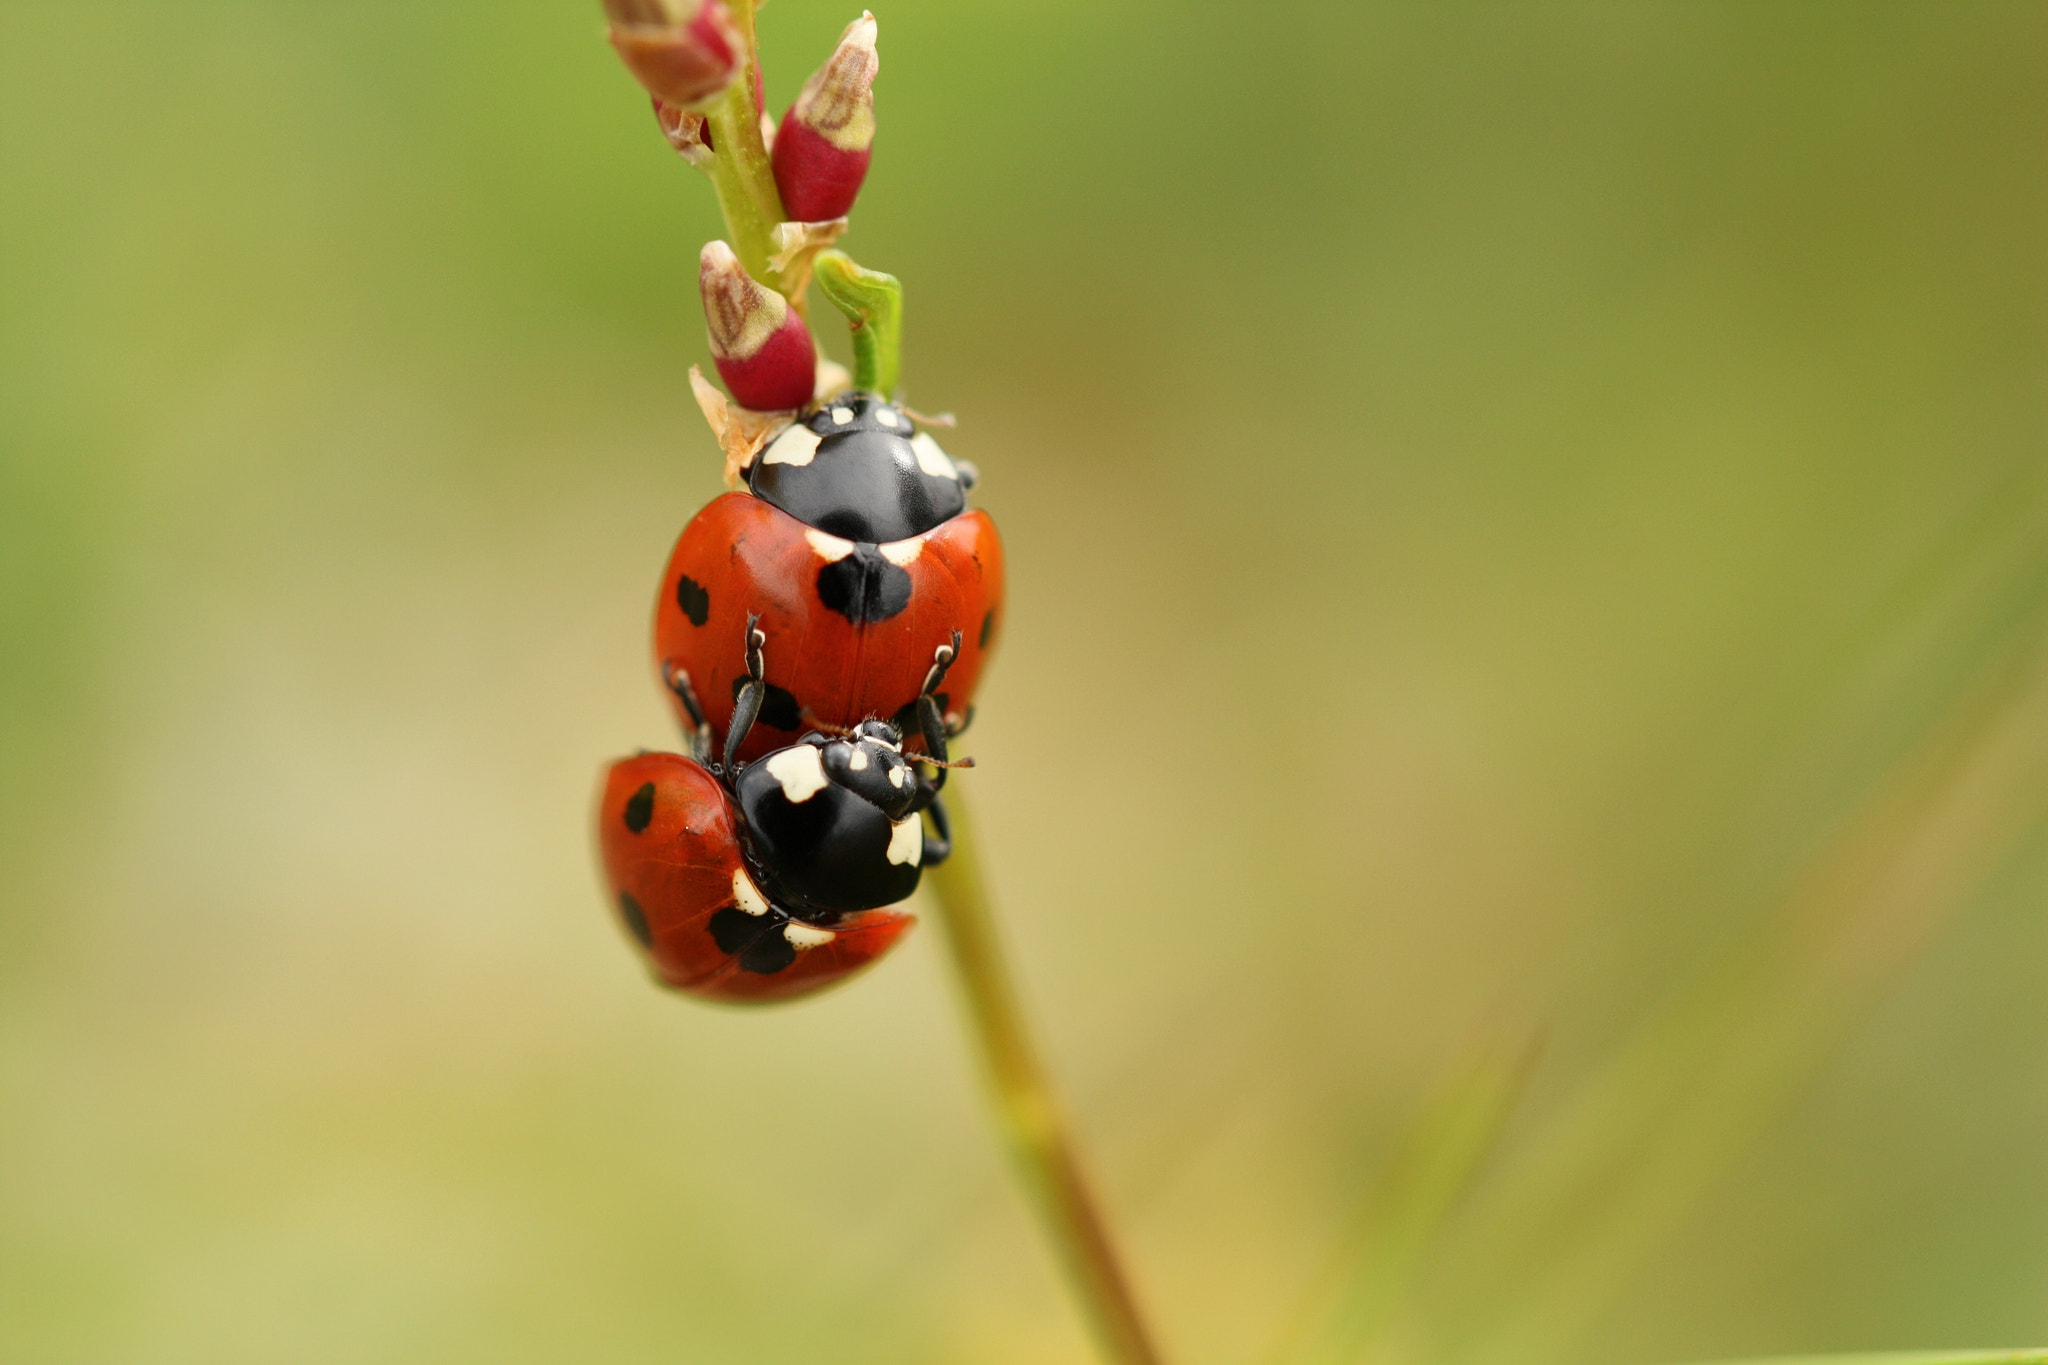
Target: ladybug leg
(942, 660)
(678, 682)
(938, 840)
(930, 723)
(932, 726)
(746, 707)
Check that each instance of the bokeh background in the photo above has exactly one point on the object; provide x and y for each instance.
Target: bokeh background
(1527, 527)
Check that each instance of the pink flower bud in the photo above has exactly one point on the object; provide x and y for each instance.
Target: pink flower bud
(764, 351)
(823, 146)
(679, 63)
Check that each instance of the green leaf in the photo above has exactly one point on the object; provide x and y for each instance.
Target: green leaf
(873, 304)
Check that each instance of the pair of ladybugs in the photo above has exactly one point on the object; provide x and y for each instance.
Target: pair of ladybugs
(831, 623)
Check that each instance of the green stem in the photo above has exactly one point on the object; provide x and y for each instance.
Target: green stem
(1030, 1112)
(873, 304)
(740, 170)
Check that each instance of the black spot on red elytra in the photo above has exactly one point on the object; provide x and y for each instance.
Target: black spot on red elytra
(779, 707)
(640, 808)
(636, 919)
(864, 587)
(694, 599)
(770, 955)
(756, 940)
(734, 930)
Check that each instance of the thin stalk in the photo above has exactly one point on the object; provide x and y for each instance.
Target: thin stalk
(1029, 1110)
(740, 170)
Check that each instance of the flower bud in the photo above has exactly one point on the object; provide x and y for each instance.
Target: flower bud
(764, 351)
(824, 143)
(681, 63)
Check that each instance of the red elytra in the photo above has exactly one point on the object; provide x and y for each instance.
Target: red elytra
(741, 555)
(679, 882)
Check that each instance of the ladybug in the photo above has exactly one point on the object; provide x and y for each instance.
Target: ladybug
(767, 879)
(854, 544)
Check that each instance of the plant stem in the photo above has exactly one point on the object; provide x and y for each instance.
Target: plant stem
(740, 170)
(1031, 1117)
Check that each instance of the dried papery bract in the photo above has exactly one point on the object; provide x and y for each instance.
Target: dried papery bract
(824, 144)
(681, 61)
(686, 131)
(763, 350)
(796, 248)
(740, 432)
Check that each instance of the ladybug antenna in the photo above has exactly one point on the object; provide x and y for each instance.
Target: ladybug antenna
(944, 420)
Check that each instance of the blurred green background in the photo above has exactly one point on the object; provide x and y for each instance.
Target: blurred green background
(1531, 518)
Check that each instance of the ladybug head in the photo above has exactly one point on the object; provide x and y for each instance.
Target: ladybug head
(869, 762)
(857, 469)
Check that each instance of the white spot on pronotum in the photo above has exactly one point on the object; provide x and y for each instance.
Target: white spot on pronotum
(794, 446)
(746, 895)
(906, 842)
(841, 416)
(931, 459)
(799, 770)
(902, 553)
(859, 761)
(831, 549)
(898, 776)
(887, 417)
(804, 936)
